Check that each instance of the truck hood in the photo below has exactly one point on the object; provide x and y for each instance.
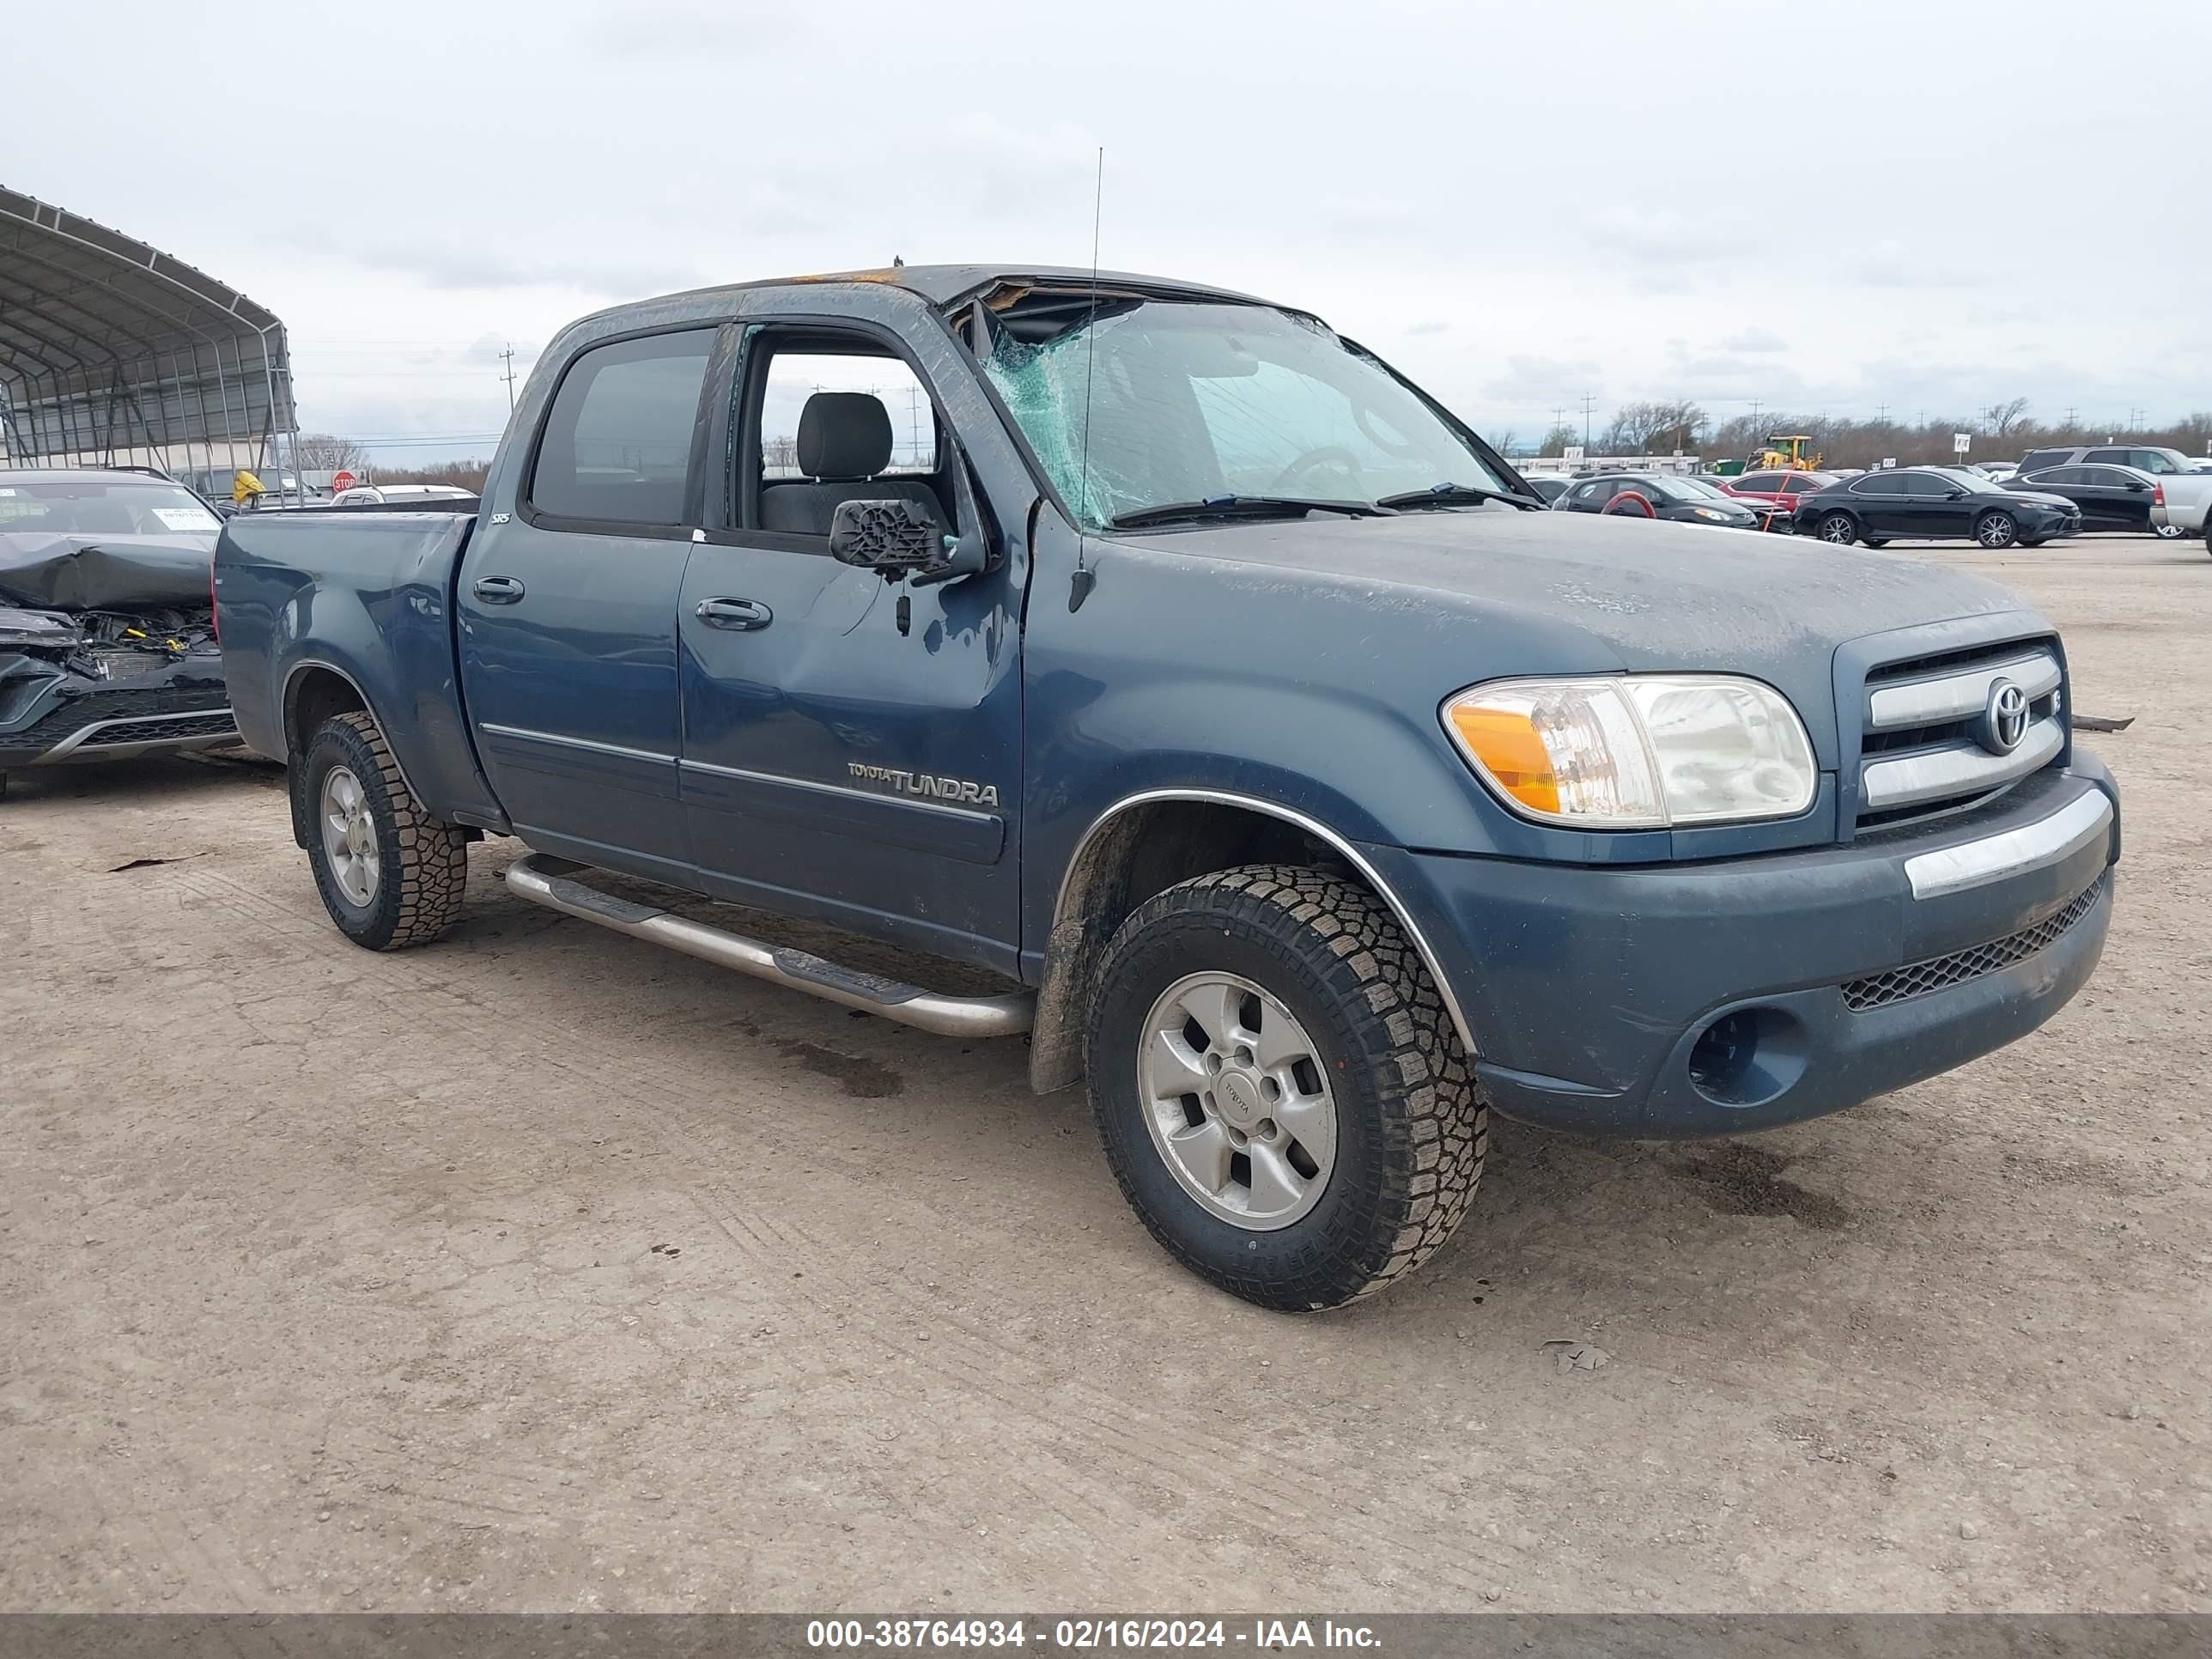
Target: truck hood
(1505, 592)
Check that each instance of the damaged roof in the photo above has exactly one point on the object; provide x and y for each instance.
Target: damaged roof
(951, 285)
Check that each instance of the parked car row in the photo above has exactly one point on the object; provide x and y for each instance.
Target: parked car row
(1662, 495)
(2052, 493)
(1935, 503)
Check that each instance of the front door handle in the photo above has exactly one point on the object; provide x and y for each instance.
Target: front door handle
(498, 590)
(738, 616)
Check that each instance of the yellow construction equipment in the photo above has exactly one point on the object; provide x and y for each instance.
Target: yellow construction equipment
(1775, 459)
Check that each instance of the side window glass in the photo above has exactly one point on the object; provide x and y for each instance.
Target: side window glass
(833, 425)
(794, 377)
(616, 447)
(1880, 483)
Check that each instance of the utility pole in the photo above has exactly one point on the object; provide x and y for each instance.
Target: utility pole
(2070, 422)
(509, 377)
(1882, 413)
(1589, 402)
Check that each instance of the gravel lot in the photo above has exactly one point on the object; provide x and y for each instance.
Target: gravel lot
(541, 1269)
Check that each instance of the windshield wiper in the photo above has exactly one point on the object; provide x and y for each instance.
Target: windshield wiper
(1455, 495)
(1241, 507)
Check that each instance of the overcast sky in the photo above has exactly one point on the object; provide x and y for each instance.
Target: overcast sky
(1929, 206)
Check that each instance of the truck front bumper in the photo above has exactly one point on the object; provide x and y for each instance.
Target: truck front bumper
(1716, 998)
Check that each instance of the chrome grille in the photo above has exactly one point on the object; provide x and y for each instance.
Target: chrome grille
(1939, 972)
(1919, 748)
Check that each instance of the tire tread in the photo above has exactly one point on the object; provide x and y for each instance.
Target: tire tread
(429, 866)
(1435, 1122)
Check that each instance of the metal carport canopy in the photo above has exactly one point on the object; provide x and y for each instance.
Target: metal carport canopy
(113, 350)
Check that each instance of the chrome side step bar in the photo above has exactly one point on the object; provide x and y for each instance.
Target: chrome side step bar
(547, 881)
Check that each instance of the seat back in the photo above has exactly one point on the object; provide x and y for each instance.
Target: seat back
(844, 446)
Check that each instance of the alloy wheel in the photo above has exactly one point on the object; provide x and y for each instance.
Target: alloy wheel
(349, 837)
(1238, 1100)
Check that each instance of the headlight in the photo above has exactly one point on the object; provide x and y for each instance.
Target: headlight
(1711, 513)
(1637, 750)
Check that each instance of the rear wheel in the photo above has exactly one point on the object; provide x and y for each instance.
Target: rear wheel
(1278, 1087)
(1996, 529)
(1840, 528)
(390, 875)
(2170, 532)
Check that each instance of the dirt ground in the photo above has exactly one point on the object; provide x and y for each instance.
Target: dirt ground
(543, 1269)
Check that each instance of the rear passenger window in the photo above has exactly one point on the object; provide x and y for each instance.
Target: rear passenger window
(618, 442)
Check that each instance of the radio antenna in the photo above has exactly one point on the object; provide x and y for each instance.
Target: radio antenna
(1086, 579)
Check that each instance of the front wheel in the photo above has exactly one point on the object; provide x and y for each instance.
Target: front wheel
(390, 875)
(1997, 530)
(1840, 529)
(1278, 1087)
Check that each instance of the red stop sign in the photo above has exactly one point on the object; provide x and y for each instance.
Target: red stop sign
(343, 481)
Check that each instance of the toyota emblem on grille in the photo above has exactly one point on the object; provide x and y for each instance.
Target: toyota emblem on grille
(2004, 717)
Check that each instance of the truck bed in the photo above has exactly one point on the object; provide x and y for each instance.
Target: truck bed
(375, 591)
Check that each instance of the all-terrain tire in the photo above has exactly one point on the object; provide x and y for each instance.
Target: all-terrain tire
(424, 863)
(1412, 1129)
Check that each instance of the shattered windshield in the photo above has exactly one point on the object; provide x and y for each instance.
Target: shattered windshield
(1194, 402)
(100, 506)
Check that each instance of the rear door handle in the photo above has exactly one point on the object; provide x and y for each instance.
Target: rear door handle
(738, 616)
(498, 590)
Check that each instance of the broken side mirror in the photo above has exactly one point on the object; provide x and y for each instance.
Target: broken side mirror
(893, 539)
(898, 539)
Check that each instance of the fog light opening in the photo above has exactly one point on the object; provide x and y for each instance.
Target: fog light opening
(1747, 1056)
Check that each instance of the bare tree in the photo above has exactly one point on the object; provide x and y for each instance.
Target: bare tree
(1558, 440)
(324, 450)
(464, 475)
(1645, 428)
(2008, 418)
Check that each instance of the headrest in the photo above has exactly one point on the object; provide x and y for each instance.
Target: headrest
(844, 434)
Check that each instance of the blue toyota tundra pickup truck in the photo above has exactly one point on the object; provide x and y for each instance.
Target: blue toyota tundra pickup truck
(1212, 706)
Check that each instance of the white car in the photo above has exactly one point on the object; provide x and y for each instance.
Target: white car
(396, 494)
